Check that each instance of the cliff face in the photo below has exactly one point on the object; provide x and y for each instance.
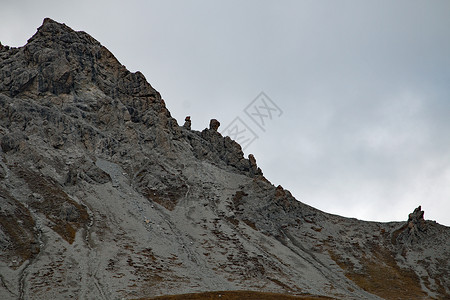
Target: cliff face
(104, 196)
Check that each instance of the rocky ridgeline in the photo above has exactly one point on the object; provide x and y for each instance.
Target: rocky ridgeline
(84, 95)
(104, 196)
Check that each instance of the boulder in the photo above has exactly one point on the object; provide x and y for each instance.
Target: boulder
(214, 124)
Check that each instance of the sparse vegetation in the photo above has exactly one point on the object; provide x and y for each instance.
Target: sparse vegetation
(170, 188)
(67, 215)
(382, 276)
(19, 228)
(236, 295)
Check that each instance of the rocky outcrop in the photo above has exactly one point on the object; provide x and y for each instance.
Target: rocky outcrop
(58, 60)
(416, 224)
(187, 123)
(104, 196)
(413, 230)
(214, 125)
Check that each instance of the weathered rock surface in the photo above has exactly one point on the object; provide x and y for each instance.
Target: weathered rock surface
(104, 196)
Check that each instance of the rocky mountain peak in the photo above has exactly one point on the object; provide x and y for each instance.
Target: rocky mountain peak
(75, 78)
(58, 60)
(104, 196)
(52, 31)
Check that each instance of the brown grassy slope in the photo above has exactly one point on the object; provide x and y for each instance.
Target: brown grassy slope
(235, 295)
(66, 215)
(382, 276)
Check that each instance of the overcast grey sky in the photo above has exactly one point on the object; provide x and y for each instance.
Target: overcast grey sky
(363, 86)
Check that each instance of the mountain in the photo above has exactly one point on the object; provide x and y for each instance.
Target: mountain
(104, 196)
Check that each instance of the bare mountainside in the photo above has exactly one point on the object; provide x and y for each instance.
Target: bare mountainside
(104, 196)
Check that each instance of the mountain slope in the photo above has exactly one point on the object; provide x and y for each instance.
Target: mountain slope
(104, 196)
